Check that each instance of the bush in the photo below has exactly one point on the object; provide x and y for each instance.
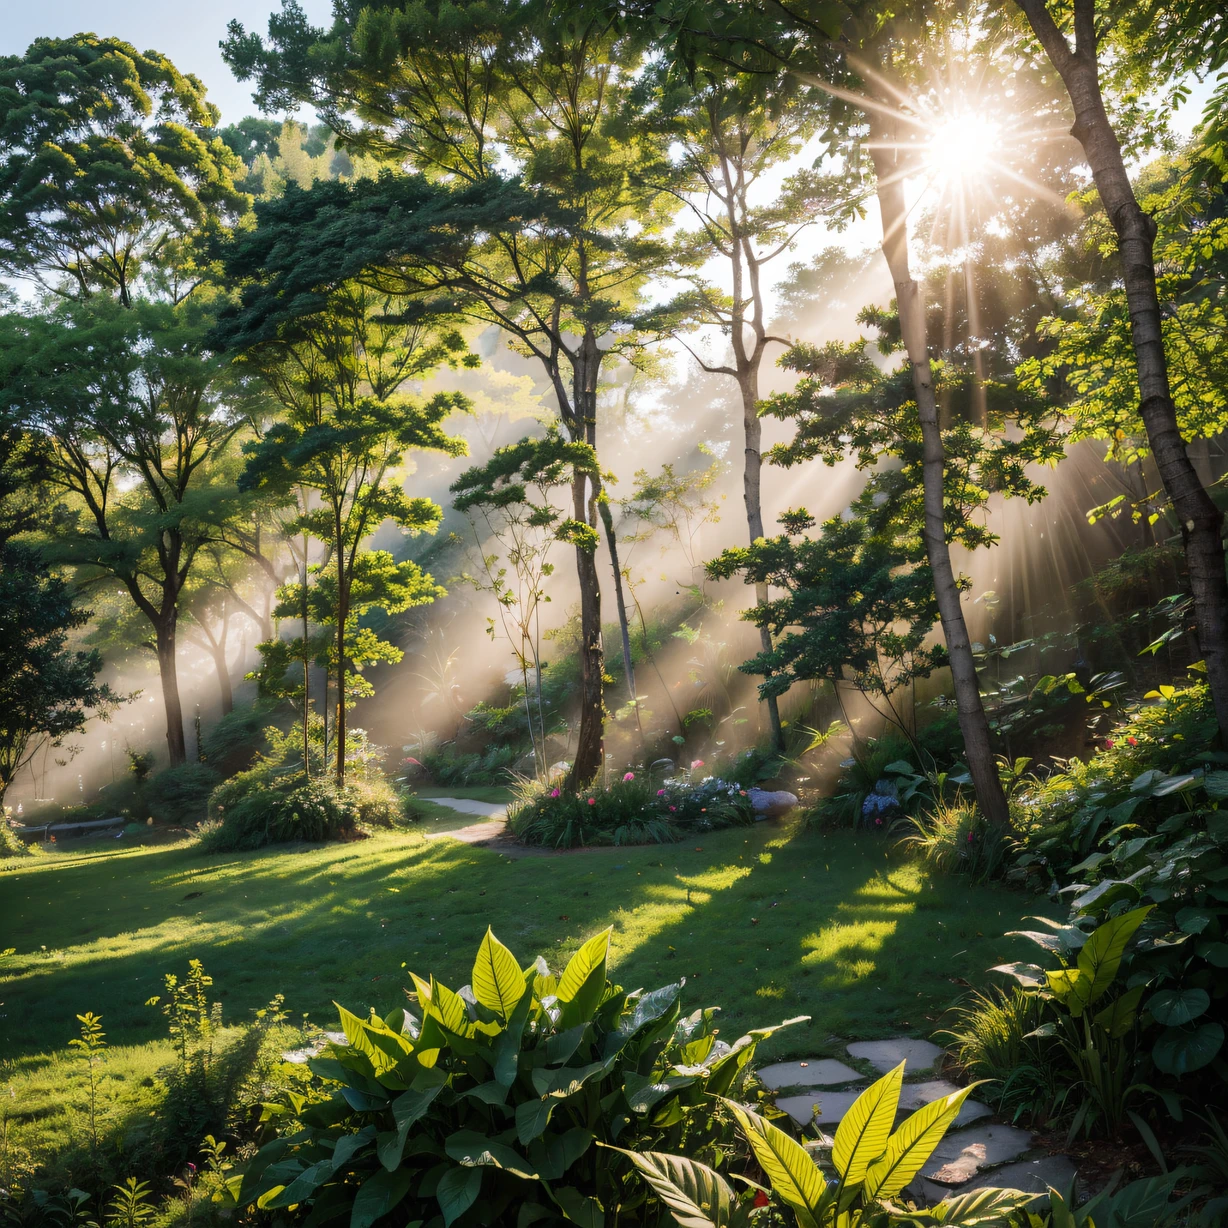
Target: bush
(312, 811)
(451, 769)
(11, 844)
(956, 839)
(634, 810)
(180, 795)
(501, 1104)
(377, 802)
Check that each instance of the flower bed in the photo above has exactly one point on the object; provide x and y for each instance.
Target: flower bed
(636, 809)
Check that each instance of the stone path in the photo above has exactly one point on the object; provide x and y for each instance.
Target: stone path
(491, 832)
(977, 1151)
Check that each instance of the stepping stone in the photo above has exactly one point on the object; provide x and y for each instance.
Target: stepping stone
(1030, 1176)
(885, 1055)
(962, 1154)
(818, 1072)
(832, 1107)
(914, 1095)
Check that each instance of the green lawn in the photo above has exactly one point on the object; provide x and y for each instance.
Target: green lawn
(771, 922)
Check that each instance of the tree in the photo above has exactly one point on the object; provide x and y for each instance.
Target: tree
(107, 160)
(512, 493)
(730, 133)
(517, 113)
(1078, 63)
(346, 426)
(126, 401)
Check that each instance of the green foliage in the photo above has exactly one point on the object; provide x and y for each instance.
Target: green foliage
(638, 809)
(47, 689)
(312, 811)
(872, 1164)
(180, 795)
(955, 838)
(91, 1045)
(487, 1106)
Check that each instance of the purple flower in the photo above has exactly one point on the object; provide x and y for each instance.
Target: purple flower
(554, 792)
(660, 792)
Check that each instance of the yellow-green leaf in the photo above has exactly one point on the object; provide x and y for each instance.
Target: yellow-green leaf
(864, 1130)
(785, 1163)
(912, 1144)
(587, 960)
(498, 983)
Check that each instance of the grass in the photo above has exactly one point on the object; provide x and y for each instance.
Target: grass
(770, 922)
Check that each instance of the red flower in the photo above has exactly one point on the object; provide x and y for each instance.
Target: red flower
(1132, 741)
(1108, 743)
(761, 1199)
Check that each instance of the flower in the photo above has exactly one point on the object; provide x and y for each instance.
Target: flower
(671, 810)
(660, 792)
(592, 801)
(1109, 743)
(878, 822)
(741, 792)
(969, 837)
(696, 763)
(761, 1199)
(629, 776)
(1132, 741)
(554, 792)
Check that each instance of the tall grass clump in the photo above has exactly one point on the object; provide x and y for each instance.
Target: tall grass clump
(955, 838)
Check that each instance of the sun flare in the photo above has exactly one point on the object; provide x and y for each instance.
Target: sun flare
(963, 146)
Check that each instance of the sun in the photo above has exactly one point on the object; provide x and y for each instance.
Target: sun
(963, 147)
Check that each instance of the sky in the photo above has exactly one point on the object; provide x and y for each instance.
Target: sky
(187, 30)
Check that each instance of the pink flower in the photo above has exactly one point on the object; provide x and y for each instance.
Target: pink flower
(969, 837)
(592, 801)
(629, 776)
(660, 792)
(671, 810)
(878, 822)
(1109, 744)
(696, 763)
(554, 793)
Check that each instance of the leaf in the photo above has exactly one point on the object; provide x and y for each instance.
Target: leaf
(457, 1191)
(794, 1176)
(696, 1195)
(1030, 976)
(1118, 1017)
(498, 983)
(1174, 1007)
(864, 1130)
(912, 1144)
(379, 1194)
(1101, 957)
(580, 1209)
(583, 981)
(987, 1207)
(475, 1150)
(532, 1118)
(1178, 1051)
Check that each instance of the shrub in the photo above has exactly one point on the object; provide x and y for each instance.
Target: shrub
(634, 810)
(878, 784)
(312, 811)
(955, 838)
(11, 844)
(451, 769)
(377, 802)
(498, 1105)
(180, 795)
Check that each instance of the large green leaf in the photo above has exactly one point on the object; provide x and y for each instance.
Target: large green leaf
(1174, 1007)
(533, 1116)
(696, 1195)
(864, 1130)
(507, 1044)
(579, 1208)
(793, 1174)
(358, 1034)
(498, 983)
(1118, 1017)
(476, 1150)
(457, 1191)
(582, 985)
(1098, 962)
(985, 1208)
(379, 1194)
(912, 1144)
(1178, 1051)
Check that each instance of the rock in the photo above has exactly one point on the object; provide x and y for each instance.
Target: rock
(832, 1106)
(964, 1153)
(1030, 1176)
(771, 805)
(914, 1095)
(818, 1072)
(885, 1055)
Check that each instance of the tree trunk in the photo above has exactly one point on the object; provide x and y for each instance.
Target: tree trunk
(339, 724)
(607, 521)
(1201, 521)
(223, 678)
(176, 744)
(911, 305)
(589, 749)
(751, 483)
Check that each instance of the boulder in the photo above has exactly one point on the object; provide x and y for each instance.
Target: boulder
(771, 805)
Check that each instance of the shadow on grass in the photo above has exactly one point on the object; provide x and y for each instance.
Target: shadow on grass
(780, 921)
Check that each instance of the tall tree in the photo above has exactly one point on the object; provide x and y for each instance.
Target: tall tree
(346, 426)
(729, 135)
(514, 99)
(1072, 41)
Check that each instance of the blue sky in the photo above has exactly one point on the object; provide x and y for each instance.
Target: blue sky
(186, 30)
